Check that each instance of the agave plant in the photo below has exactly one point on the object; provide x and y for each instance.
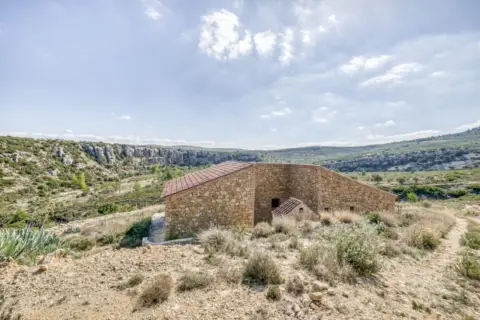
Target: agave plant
(16, 243)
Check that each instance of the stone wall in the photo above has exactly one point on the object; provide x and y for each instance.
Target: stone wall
(304, 184)
(227, 201)
(271, 181)
(338, 192)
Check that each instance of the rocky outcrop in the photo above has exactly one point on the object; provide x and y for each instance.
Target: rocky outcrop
(147, 155)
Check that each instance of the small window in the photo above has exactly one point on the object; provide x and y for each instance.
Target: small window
(326, 209)
(352, 209)
(301, 210)
(275, 202)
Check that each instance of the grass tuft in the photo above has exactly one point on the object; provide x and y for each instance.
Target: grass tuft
(261, 269)
(284, 225)
(157, 290)
(262, 230)
(193, 280)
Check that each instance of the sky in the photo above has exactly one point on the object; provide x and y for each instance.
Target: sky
(253, 74)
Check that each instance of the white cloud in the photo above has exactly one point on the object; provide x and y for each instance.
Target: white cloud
(358, 63)
(438, 74)
(287, 47)
(378, 138)
(306, 36)
(322, 115)
(220, 36)
(68, 131)
(265, 42)
(395, 75)
(389, 123)
(361, 128)
(273, 129)
(396, 104)
(124, 117)
(153, 9)
(468, 126)
(276, 113)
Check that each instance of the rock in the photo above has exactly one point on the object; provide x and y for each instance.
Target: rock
(42, 268)
(319, 286)
(331, 292)
(315, 296)
(345, 294)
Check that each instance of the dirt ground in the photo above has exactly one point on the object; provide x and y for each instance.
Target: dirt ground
(425, 287)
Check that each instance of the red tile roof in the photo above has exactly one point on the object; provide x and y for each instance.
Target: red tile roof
(286, 207)
(199, 177)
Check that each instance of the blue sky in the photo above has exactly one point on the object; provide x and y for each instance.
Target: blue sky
(248, 74)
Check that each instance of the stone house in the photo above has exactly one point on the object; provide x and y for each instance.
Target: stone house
(241, 194)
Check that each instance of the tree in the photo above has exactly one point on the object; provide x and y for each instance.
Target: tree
(137, 186)
(81, 182)
(155, 169)
(376, 178)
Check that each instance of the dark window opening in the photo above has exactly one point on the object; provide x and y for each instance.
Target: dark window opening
(275, 202)
(326, 209)
(301, 210)
(352, 209)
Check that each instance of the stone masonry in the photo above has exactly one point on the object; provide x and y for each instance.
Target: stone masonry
(235, 194)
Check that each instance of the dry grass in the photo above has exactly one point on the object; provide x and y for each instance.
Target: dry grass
(193, 280)
(274, 293)
(261, 269)
(347, 217)
(284, 225)
(231, 274)
(471, 238)
(133, 281)
(295, 285)
(422, 237)
(306, 226)
(469, 265)
(325, 219)
(294, 243)
(310, 256)
(262, 230)
(157, 290)
(216, 240)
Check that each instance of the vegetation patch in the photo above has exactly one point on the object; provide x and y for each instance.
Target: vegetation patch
(193, 280)
(284, 225)
(156, 291)
(262, 230)
(422, 238)
(133, 237)
(80, 243)
(261, 269)
(469, 265)
(274, 293)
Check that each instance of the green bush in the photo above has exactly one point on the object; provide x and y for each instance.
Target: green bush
(133, 237)
(261, 269)
(469, 265)
(108, 208)
(18, 220)
(412, 197)
(456, 193)
(17, 243)
(374, 218)
(471, 239)
(422, 238)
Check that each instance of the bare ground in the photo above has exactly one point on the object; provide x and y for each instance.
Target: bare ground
(86, 288)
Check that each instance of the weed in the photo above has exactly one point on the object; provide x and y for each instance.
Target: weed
(79, 243)
(231, 274)
(309, 256)
(284, 225)
(469, 265)
(325, 219)
(262, 230)
(471, 239)
(193, 280)
(156, 291)
(422, 238)
(295, 285)
(294, 242)
(274, 293)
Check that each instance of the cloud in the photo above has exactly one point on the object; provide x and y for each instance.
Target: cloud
(124, 117)
(68, 131)
(389, 123)
(287, 47)
(265, 42)
(438, 73)
(276, 113)
(396, 104)
(378, 138)
(361, 128)
(322, 115)
(468, 126)
(220, 36)
(153, 9)
(363, 63)
(273, 129)
(395, 75)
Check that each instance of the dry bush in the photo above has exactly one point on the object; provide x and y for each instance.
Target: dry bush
(193, 280)
(133, 281)
(325, 219)
(423, 238)
(80, 243)
(156, 291)
(216, 240)
(262, 230)
(294, 243)
(310, 256)
(261, 269)
(273, 292)
(390, 250)
(295, 285)
(284, 225)
(308, 215)
(391, 220)
(306, 226)
(231, 274)
(472, 211)
(471, 238)
(346, 217)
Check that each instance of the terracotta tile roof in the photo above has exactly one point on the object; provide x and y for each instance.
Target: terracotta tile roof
(199, 177)
(286, 207)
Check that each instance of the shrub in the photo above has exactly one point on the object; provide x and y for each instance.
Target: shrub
(72, 230)
(390, 250)
(295, 285)
(294, 243)
(133, 281)
(456, 193)
(157, 290)
(231, 274)
(193, 280)
(309, 256)
(79, 243)
(471, 239)
(422, 238)
(306, 226)
(274, 293)
(374, 218)
(325, 219)
(346, 217)
(284, 225)
(214, 239)
(262, 230)
(426, 204)
(110, 238)
(469, 265)
(108, 208)
(133, 237)
(261, 269)
(18, 243)
(412, 197)
(359, 248)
